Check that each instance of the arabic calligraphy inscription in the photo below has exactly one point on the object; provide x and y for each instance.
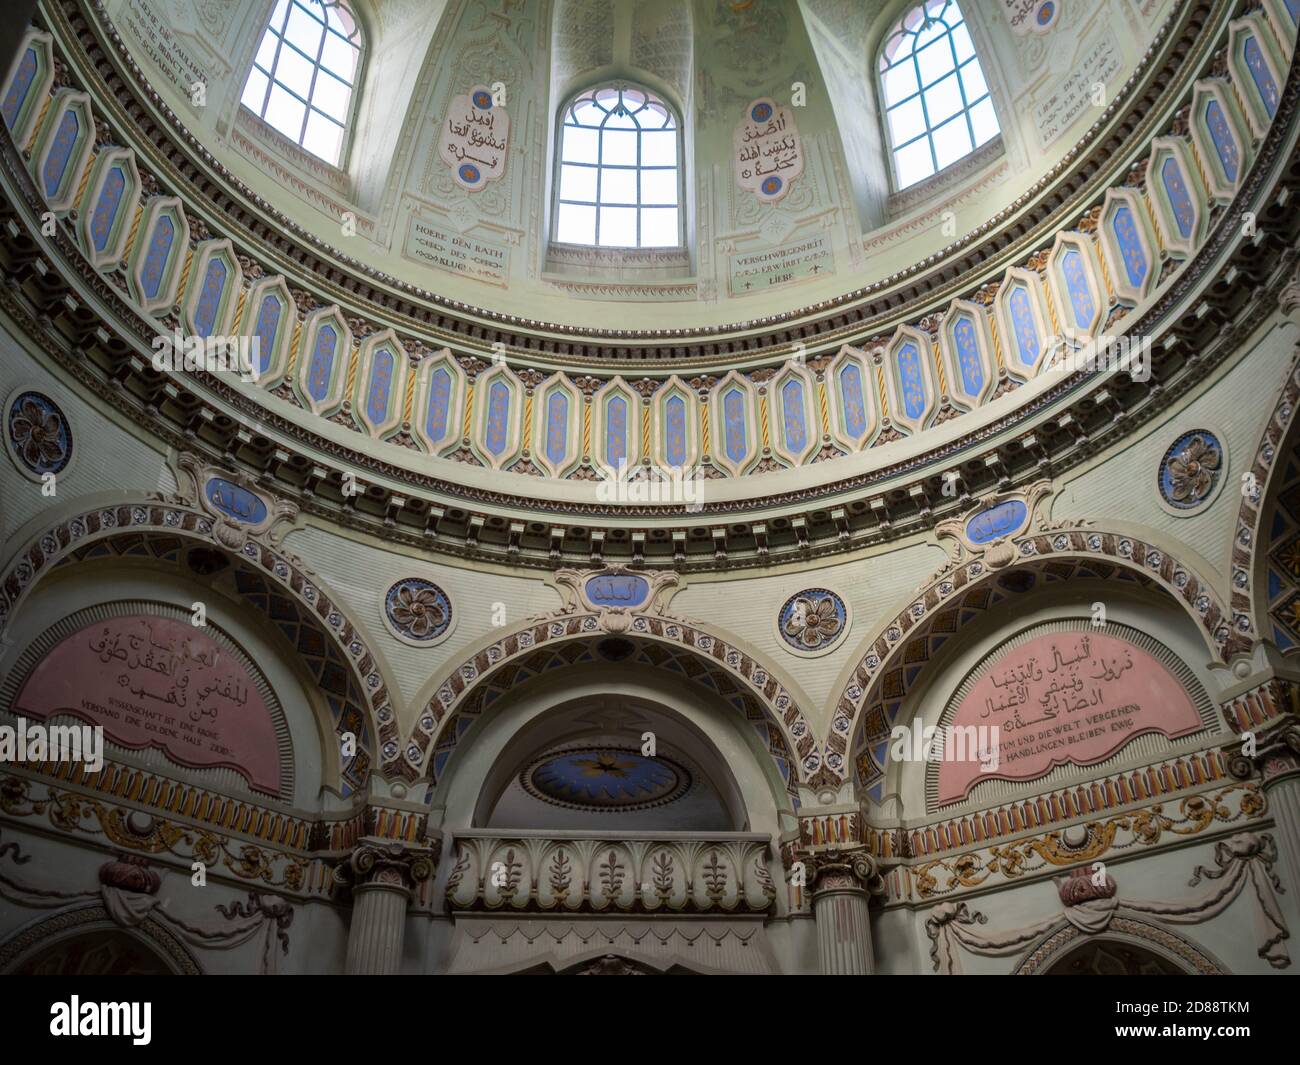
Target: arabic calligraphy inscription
(159, 682)
(768, 153)
(475, 138)
(1075, 696)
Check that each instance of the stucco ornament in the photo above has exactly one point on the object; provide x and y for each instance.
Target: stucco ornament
(39, 436)
(989, 529)
(812, 619)
(239, 508)
(417, 609)
(615, 594)
(1243, 865)
(37, 431)
(1193, 469)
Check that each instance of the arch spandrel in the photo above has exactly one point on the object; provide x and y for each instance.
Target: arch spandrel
(772, 704)
(877, 681)
(266, 579)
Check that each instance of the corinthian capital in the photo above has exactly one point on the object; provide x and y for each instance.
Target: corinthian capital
(844, 870)
(385, 864)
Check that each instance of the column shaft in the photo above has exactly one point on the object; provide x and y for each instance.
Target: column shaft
(843, 932)
(378, 924)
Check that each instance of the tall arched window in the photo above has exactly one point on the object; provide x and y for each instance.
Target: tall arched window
(937, 103)
(303, 74)
(619, 181)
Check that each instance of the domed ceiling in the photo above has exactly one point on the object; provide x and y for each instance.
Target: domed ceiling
(395, 206)
(849, 342)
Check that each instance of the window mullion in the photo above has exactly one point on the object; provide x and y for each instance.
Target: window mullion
(600, 172)
(635, 168)
(311, 87)
(945, 23)
(925, 114)
(961, 88)
(270, 78)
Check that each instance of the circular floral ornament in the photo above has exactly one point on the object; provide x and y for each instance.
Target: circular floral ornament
(1191, 471)
(39, 436)
(418, 611)
(813, 621)
(604, 778)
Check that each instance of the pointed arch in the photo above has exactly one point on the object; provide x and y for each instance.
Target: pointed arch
(876, 685)
(680, 646)
(1253, 541)
(327, 641)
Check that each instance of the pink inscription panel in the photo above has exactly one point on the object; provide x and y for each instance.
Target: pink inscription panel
(1064, 697)
(157, 682)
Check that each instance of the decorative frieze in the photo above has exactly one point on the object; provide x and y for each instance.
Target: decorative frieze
(1024, 858)
(590, 874)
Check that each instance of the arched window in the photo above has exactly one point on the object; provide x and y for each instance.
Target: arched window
(303, 74)
(937, 103)
(619, 179)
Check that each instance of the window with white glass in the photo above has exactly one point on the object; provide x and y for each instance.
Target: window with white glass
(304, 72)
(618, 172)
(937, 103)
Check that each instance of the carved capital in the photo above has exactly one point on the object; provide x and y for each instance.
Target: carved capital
(844, 870)
(385, 865)
(1276, 754)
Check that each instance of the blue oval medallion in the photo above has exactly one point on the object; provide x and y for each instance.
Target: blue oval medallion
(234, 501)
(605, 778)
(616, 589)
(39, 434)
(995, 522)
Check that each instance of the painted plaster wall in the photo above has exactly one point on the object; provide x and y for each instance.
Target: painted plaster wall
(66, 593)
(1235, 404)
(107, 459)
(1124, 605)
(317, 934)
(902, 945)
(361, 574)
(874, 586)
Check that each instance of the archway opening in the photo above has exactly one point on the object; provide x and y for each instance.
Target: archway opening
(611, 760)
(1106, 957)
(103, 952)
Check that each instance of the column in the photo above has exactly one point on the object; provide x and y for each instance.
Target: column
(1278, 762)
(1267, 712)
(842, 884)
(381, 876)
